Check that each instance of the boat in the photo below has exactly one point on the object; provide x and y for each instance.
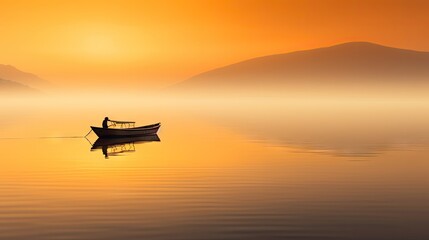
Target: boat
(126, 132)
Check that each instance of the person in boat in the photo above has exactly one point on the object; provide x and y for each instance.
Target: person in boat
(105, 121)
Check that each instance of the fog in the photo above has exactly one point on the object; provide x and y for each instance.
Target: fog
(336, 124)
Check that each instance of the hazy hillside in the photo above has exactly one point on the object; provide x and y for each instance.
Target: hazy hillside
(13, 74)
(347, 66)
(10, 87)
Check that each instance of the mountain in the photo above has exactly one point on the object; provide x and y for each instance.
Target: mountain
(354, 65)
(11, 73)
(10, 87)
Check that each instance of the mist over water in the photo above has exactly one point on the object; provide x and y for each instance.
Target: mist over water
(225, 168)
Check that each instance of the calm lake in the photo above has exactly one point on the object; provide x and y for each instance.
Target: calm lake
(246, 169)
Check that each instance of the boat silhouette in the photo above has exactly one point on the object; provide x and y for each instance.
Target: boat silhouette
(126, 132)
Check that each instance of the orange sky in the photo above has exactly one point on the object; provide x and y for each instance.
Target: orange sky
(156, 43)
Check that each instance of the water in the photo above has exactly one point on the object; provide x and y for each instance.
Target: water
(290, 170)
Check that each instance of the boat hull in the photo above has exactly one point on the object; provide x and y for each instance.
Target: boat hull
(126, 132)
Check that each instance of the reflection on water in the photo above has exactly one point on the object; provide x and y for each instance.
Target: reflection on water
(247, 172)
(354, 130)
(116, 146)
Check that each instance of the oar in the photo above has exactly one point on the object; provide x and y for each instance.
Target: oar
(88, 133)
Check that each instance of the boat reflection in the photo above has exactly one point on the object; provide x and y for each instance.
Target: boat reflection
(117, 146)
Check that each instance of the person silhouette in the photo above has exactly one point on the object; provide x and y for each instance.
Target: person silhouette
(106, 119)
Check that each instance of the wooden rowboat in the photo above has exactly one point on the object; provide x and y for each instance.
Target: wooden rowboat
(126, 132)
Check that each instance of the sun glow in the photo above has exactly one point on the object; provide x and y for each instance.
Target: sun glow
(100, 43)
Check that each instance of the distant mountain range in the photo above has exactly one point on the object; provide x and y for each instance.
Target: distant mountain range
(354, 65)
(13, 78)
(10, 87)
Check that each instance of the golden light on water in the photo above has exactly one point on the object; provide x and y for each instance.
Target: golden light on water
(264, 156)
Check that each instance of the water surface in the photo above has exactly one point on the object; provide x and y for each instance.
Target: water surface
(243, 171)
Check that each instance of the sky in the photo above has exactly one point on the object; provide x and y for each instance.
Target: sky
(153, 44)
